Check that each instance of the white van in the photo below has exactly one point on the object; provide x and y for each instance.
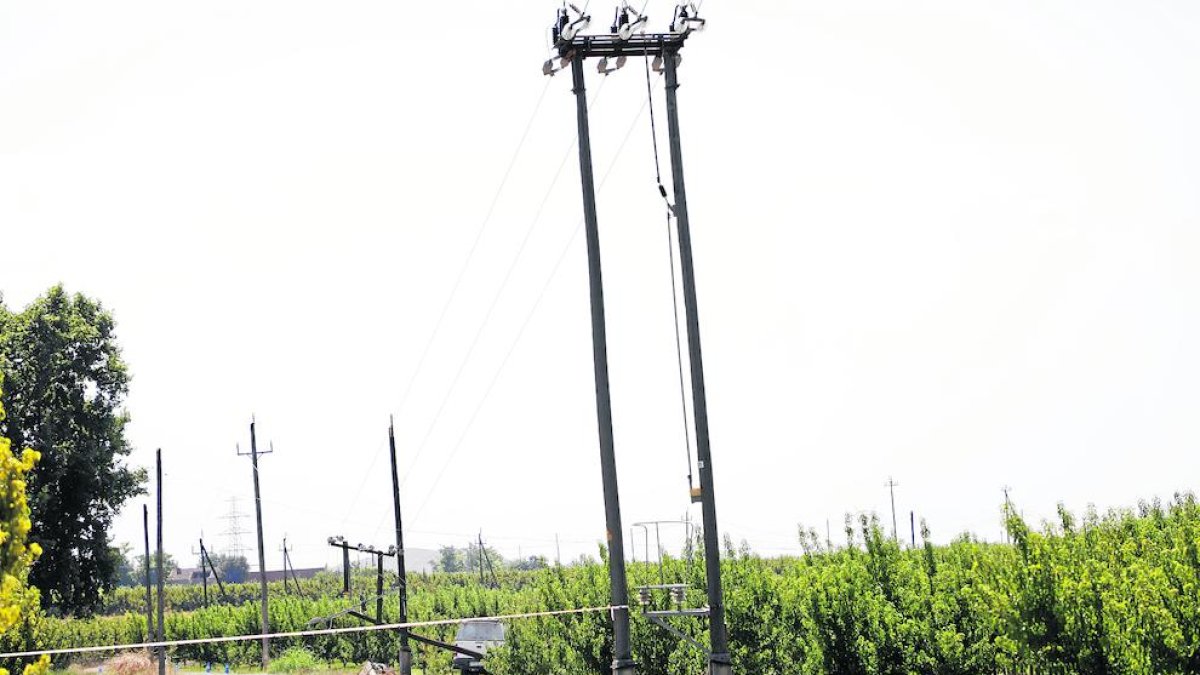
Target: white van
(477, 636)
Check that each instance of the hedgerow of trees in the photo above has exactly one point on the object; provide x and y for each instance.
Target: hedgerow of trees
(1112, 593)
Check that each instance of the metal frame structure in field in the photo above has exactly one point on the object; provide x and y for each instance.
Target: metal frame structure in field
(360, 613)
(628, 38)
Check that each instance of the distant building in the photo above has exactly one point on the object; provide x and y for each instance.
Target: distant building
(186, 575)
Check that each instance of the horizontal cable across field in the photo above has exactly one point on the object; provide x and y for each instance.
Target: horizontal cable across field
(306, 633)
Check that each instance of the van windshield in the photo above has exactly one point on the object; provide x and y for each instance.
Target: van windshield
(481, 631)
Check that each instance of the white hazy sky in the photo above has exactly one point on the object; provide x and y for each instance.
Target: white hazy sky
(954, 242)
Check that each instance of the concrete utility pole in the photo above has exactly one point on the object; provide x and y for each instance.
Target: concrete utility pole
(891, 485)
(1007, 511)
(262, 558)
(623, 663)
(627, 40)
(405, 655)
(912, 527)
(720, 662)
(162, 635)
(149, 597)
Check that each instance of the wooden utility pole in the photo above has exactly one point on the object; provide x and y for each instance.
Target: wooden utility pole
(891, 485)
(262, 559)
(162, 635)
(405, 653)
(149, 597)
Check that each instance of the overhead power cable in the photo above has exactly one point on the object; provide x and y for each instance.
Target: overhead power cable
(494, 302)
(474, 247)
(525, 324)
(462, 271)
(670, 211)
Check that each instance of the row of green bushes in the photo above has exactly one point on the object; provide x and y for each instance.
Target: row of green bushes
(1118, 593)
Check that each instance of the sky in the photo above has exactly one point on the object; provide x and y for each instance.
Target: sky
(948, 242)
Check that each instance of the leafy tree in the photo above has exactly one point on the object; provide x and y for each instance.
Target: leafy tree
(65, 386)
(533, 562)
(18, 600)
(126, 568)
(139, 568)
(232, 568)
(450, 559)
(490, 557)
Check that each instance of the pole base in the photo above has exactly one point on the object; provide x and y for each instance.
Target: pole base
(624, 667)
(720, 664)
(405, 662)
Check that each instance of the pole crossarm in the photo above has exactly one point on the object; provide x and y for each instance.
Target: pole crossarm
(653, 44)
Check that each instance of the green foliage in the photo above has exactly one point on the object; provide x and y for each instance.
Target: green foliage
(65, 386)
(1118, 593)
(295, 660)
(19, 616)
(138, 568)
(232, 568)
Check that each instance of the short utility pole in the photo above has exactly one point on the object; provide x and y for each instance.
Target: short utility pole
(150, 632)
(262, 558)
(628, 39)
(891, 485)
(162, 634)
(405, 653)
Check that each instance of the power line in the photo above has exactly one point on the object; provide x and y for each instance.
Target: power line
(459, 278)
(525, 323)
(492, 306)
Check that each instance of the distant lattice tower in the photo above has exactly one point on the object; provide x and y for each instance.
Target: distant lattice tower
(234, 530)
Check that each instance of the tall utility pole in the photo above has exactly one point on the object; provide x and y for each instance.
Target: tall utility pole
(405, 656)
(623, 663)
(628, 40)
(162, 635)
(720, 663)
(912, 527)
(891, 485)
(149, 598)
(262, 559)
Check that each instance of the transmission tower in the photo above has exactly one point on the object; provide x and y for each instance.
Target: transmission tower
(234, 530)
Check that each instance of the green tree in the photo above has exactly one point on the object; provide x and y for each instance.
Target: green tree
(65, 383)
(139, 568)
(450, 559)
(126, 569)
(232, 568)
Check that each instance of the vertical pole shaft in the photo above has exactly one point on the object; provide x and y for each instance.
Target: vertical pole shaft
(720, 663)
(912, 527)
(150, 633)
(285, 571)
(479, 558)
(662, 578)
(262, 558)
(401, 573)
(379, 587)
(892, 490)
(203, 573)
(557, 551)
(162, 635)
(346, 569)
(619, 595)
